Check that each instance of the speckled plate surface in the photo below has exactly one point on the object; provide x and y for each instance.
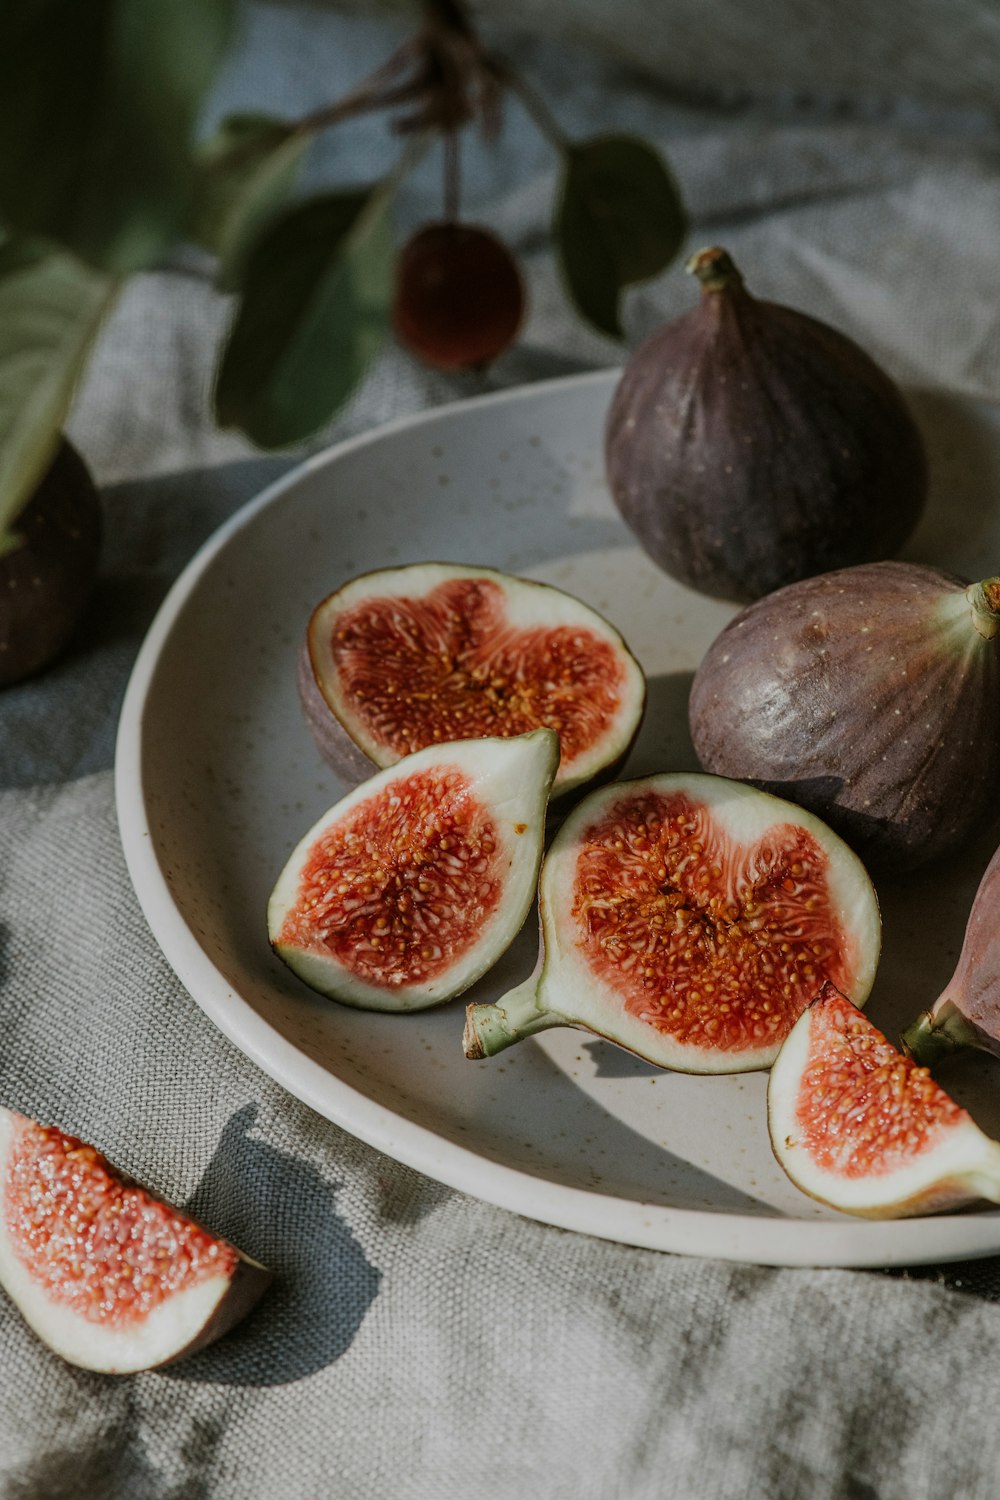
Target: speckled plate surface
(217, 778)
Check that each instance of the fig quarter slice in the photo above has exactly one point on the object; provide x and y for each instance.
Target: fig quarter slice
(967, 1013)
(408, 657)
(412, 885)
(861, 1127)
(108, 1276)
(690, 919)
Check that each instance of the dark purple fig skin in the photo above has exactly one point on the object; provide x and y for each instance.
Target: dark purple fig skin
(46, 581)
(340, 752)
(967, 1014)
(848, 694)
(749, 445)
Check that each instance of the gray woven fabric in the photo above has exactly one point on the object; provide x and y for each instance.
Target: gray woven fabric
(418, 1344)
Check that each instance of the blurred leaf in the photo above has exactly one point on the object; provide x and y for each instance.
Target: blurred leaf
(619, 220)
(98, 100)
(246, 170)
(51, 307)
(315, 308)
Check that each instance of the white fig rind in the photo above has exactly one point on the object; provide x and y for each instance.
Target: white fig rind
(183, 1322)
(347, 743)
(963, 1167)
(511, 778)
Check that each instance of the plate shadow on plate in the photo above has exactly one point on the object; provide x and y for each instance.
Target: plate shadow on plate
(282, 1212)
(664, 740)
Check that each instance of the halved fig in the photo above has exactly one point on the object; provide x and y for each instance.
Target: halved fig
(861, 1127)
(412, 885)
(108, 1276)
(415, 656)
(690, 919)
(967, 1013)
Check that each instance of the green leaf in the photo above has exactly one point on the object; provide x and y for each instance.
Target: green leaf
(246, 170)
(619, 220)
(98, 100)
(315, 308)
(51, 307)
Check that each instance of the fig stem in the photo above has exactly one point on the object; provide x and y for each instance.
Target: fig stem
(935, 1035)
(491, 1028)
(985, 600)
(714, 269)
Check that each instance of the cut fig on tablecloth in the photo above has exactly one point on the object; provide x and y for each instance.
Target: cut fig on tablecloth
(110, 1277)
(407, 657)
(863, 1128)
(690, 919)
(967, 1013)
(415, 883)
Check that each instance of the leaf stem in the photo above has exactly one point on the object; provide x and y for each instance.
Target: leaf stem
(544, 119)
(369, 94)
(452, 175)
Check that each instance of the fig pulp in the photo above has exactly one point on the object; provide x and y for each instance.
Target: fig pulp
(871, 696)
(859, 1126)
(689, 919)
(107, 1275)
(967, 1013)
(412, 886)
(749, 445)
(413, 656)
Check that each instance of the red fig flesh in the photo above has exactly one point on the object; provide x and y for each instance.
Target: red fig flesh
(420, 655)
(108, 1276)
(869, 695)
(412, 886)
(749, 445)
(967, 1014)
(689, 919)
(861, 1127)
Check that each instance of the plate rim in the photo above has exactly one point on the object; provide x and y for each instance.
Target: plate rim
(718, 1235)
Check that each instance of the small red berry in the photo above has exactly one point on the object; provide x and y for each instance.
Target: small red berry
(459, 296)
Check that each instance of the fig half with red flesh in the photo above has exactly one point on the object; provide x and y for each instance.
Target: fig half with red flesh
(861, 1127)
(690, 919)
(420, 655)
(415, 883)
(108, 1276)
(967, 1013)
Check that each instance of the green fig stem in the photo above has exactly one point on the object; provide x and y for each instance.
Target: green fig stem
(985, 600)
(715, 270)
(933, 1036)
(491, 1028)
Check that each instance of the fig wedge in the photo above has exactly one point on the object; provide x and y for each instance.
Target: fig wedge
(408, 657)
(412, 885)
(108, 1276)
(859, 1126)
(967, 1013)
(689, 919)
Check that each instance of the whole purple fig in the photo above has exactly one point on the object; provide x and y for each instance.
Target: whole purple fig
(967, 1012)
(749, 445)
(871, 696)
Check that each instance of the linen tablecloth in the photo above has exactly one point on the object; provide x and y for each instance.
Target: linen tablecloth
(418, 1344)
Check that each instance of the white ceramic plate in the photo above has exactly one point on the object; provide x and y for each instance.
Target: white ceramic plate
(217, 778)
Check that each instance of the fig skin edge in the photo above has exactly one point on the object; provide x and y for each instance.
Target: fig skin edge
(749, 445)
(869, 695)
